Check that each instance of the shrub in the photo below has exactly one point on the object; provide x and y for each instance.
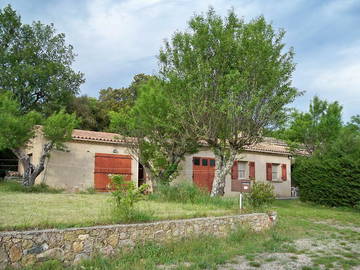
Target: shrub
(331, 181)
(187, 192)
(125, 195)
(261, 195)
(10, 186)
(331, 176)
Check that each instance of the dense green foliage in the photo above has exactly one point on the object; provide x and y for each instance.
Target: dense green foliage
(35, 64)
(314, 129)
(261, 195)
(231, 79)
(16, 128)
(187, 192)
(332, 176)
(122, 98)
(58, 127)
(125, 195)
(92, 113)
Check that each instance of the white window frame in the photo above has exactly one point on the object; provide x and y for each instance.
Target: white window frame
(242, 170)
(275, 170)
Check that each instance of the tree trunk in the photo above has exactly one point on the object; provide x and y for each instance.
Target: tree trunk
(31, 171)
(163, 176)
(223, 166)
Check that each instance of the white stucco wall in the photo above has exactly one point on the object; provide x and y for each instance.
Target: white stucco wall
(73, 169)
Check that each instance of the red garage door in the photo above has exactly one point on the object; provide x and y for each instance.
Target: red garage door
(203, 172)
(106, 164)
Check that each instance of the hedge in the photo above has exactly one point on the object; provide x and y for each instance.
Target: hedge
(332, 177)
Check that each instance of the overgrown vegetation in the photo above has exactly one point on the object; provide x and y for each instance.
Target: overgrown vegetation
(187, 192)
(260, 196)
(125, 195)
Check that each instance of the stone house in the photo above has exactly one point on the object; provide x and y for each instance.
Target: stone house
(90, 156)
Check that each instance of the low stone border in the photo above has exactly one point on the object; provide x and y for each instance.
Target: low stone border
(24, 248)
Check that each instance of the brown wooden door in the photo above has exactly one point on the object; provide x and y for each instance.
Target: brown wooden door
(106, 164)
(203, 172)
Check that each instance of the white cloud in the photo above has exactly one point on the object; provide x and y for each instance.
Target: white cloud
(113, 35)
(334, 79)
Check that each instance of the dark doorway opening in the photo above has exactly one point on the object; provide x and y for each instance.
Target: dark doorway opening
(141, 175)
(8, 163)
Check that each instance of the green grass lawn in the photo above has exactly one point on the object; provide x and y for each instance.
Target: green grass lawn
(43, 210)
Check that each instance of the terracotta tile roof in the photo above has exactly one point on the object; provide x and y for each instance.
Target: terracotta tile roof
(86, 135)
(268, 145)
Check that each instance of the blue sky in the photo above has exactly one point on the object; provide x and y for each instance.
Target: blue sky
(115, 40)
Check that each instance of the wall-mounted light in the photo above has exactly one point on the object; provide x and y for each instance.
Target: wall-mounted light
(115, 151)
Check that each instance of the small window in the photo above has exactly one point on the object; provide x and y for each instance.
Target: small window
(275, 171)
(242, 170)
(204, 162)
(196, 161)
(212, 162)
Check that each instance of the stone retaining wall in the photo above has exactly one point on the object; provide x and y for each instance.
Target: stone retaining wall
(71, 245)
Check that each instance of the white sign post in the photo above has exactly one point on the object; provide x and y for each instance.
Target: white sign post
(241, 201)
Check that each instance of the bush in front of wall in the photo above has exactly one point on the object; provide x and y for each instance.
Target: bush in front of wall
(261, 195)
(125, 195)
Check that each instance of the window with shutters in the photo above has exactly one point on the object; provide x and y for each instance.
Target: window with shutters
(242, 170)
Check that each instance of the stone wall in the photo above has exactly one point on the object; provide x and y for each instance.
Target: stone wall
(71, 245)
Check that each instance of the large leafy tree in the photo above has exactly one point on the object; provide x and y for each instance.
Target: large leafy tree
(314, 129)
(17, 129)
(35, 64)
(120, 99)
(36, 81)
(231, 79)
(92, 113)
(153, 133)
